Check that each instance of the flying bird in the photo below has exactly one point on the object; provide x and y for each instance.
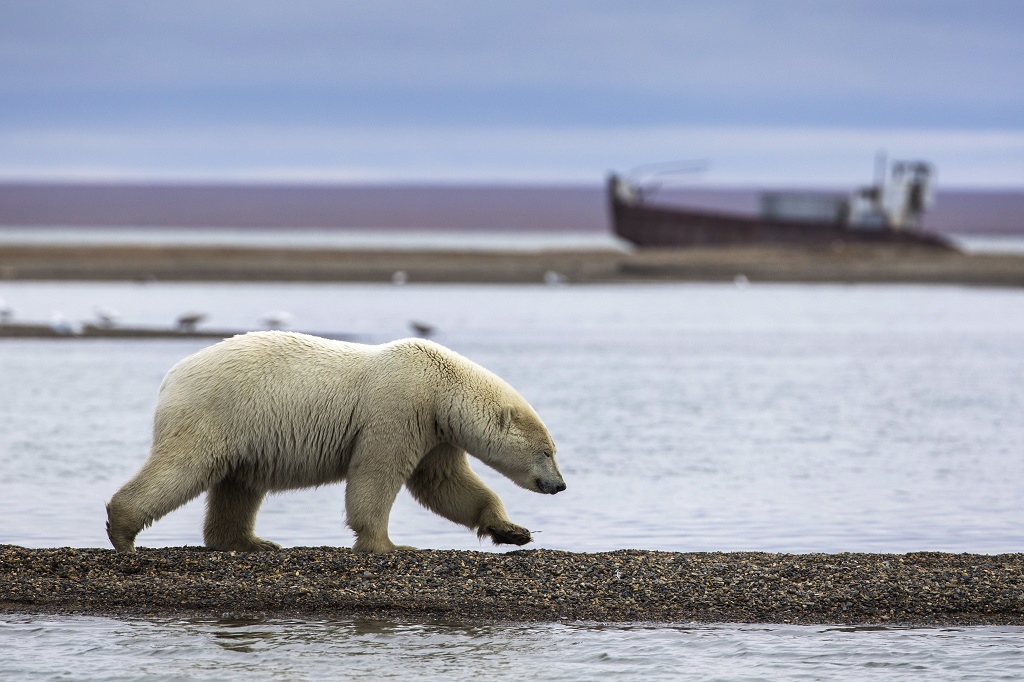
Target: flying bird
(106, 318)
(187, 321)
(422, 328)
(277, 320)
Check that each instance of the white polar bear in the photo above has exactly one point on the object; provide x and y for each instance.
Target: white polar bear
(270, 411)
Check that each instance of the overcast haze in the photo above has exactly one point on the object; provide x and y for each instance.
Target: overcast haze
(768, 91)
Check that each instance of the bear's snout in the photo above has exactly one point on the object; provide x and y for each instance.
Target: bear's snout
(549, 488)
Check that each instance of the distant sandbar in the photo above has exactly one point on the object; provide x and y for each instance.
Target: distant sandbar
(839, 263)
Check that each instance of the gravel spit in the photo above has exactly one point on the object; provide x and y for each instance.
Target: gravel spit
(922, 588)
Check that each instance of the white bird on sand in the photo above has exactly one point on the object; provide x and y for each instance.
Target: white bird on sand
(399, 277)
(277, 320)
(106, 318)
(552, 278)
(187, 321)
(62, 325)
(422, 328)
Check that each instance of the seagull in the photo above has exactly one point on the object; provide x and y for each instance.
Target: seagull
(422, 328)
(106, 317)
(187, 321)
(552, 278)
(277, 320)
(62, 325)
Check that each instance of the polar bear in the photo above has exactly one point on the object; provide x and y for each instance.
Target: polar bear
(270, 411)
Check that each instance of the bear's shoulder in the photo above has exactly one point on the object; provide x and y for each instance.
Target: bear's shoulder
(418, 346)
(425, 353)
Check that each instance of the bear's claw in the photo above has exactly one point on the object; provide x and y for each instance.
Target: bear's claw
(511, 535)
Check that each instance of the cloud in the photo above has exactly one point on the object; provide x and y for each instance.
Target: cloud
(737, 155)
(786, 90)
(760, 47)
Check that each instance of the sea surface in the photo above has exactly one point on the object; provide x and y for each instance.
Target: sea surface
(688, 417)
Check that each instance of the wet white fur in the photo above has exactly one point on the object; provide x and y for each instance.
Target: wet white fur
(278, 410)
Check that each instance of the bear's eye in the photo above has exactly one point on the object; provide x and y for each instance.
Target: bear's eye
(547, 454)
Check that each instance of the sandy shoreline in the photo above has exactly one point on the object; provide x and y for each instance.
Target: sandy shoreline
(523, 586)
(850, 263)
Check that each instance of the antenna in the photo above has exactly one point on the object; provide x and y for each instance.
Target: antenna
(649, 176)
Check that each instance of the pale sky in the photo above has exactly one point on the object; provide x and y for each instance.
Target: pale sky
(766, 91)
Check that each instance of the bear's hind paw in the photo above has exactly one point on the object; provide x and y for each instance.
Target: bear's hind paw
(245, 545)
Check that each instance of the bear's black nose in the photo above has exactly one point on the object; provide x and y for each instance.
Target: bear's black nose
(548, 488)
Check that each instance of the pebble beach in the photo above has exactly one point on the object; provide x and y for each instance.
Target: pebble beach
(925, 588)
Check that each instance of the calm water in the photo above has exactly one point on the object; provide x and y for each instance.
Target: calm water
(688, 417)
(100, 648)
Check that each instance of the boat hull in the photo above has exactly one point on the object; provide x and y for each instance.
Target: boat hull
(661, 226)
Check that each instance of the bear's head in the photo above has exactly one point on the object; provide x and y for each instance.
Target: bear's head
(480, 413)
(523, 450)
(505, 433)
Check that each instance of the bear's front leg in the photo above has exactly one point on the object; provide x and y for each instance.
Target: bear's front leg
(369, 496)
(444, 483)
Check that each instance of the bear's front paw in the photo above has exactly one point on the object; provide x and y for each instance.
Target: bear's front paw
(508, 535)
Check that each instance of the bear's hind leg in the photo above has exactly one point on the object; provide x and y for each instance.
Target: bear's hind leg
(157, 489)
(231, 518)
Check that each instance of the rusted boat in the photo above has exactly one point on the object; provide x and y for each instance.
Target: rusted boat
(889, 211)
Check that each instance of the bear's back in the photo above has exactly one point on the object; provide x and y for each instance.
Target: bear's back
(261, 370)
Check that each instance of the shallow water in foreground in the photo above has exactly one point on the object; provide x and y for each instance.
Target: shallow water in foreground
(688, 418)
(93, 648)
